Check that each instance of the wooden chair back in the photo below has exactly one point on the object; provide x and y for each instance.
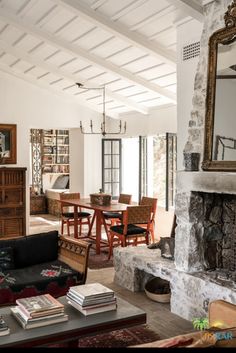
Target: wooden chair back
(150, 201)
(68, 196)
(137, 215)
(125, 198)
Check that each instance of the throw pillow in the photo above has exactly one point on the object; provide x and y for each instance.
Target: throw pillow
(6, 259)
(61, 182)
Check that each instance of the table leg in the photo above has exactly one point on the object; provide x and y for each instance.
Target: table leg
(98, 230)
(76, 222)
(91, 226)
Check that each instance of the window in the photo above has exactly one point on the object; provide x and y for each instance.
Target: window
(111, 167)
(148, 167)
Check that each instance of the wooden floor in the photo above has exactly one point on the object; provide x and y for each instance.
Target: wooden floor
(159, 317)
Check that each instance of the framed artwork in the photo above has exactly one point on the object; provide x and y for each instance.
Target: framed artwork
(7, 144)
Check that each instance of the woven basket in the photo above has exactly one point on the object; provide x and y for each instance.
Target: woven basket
(100, 199)
(153, 287)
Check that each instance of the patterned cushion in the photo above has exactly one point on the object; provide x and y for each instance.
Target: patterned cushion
(80, 214)
(131, 229)
(53, 277)
(109, 215)
(6, 259)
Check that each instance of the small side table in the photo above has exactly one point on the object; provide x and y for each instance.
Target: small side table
(37, 204)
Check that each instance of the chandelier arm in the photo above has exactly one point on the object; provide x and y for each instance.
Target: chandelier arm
(103, 124)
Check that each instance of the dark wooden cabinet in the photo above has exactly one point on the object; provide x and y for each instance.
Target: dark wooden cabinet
(37, 204)
(12, 202)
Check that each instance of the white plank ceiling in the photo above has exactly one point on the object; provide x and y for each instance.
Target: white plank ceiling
(127, 45)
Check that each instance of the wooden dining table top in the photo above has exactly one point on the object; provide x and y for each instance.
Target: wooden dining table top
(86, 203)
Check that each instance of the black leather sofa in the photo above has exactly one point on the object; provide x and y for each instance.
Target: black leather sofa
(41, 263)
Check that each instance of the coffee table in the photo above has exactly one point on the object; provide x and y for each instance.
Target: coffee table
(76, 327)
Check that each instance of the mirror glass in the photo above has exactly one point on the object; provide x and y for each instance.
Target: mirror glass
(224, 128)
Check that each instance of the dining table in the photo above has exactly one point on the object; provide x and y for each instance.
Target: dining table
(97, 216)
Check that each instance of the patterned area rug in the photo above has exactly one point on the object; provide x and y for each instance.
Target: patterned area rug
(120, 338)
(96, 262)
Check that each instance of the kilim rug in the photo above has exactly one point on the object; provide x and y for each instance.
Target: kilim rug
(120, 338)
(99, 261)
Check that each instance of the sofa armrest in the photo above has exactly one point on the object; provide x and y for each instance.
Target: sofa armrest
(74, 253)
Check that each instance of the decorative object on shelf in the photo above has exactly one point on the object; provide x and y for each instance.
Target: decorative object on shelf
(122, 129)
(101, 198)
(158, 289)
(7, 144)
(191, 161)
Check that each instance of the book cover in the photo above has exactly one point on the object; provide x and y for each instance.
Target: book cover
(27, 319)
(4, 329)
(38, 323)
(41, 303)
(91, 311)
(95, 301)
(91, 290)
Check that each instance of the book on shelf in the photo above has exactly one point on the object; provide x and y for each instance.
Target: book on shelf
(40, 305)
(4, 329)
(93, 309)
(39, 322)
(91, 290)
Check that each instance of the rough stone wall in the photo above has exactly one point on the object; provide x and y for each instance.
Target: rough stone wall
(214, 20)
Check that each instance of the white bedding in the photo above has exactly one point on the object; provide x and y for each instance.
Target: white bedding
(54, 193)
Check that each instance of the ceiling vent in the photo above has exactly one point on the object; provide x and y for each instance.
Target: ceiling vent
(191, 51)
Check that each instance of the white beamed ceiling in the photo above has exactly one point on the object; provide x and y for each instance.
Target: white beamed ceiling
(127, 45)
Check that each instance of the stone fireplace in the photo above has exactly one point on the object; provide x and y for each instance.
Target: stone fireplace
(205, 236)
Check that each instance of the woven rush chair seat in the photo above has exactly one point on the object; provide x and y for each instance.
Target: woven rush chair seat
(67, 217)
(129, 233)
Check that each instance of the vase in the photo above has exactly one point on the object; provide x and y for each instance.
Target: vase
(191, 161)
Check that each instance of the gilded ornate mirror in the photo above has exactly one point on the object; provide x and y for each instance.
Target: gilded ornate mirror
(220, 125)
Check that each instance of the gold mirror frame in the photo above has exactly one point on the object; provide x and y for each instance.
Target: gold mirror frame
(224, 36)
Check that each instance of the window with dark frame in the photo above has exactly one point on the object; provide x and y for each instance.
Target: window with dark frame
(111, 167)
(164, 149)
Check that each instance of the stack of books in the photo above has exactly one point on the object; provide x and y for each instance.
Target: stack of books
(4, 329)
(92, 298)
(41, 310)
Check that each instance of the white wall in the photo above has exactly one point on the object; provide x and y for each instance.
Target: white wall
(187, 33)
(31, 107)
(157, 122)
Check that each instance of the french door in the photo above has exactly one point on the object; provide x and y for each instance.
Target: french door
(111, 167)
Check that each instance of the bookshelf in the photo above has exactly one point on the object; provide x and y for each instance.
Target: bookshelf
(55, 152)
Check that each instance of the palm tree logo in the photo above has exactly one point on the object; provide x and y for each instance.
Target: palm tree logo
(200, 323)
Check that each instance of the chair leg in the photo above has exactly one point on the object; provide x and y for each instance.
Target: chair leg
(152, 233)
(62, 226)
(68, 228)
(80, 227)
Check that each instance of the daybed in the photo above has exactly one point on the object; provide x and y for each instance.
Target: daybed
(41, 263)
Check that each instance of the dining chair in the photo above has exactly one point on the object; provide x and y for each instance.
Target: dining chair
(116, 217)
(67, 217)
(129, 233)
(150, 201)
